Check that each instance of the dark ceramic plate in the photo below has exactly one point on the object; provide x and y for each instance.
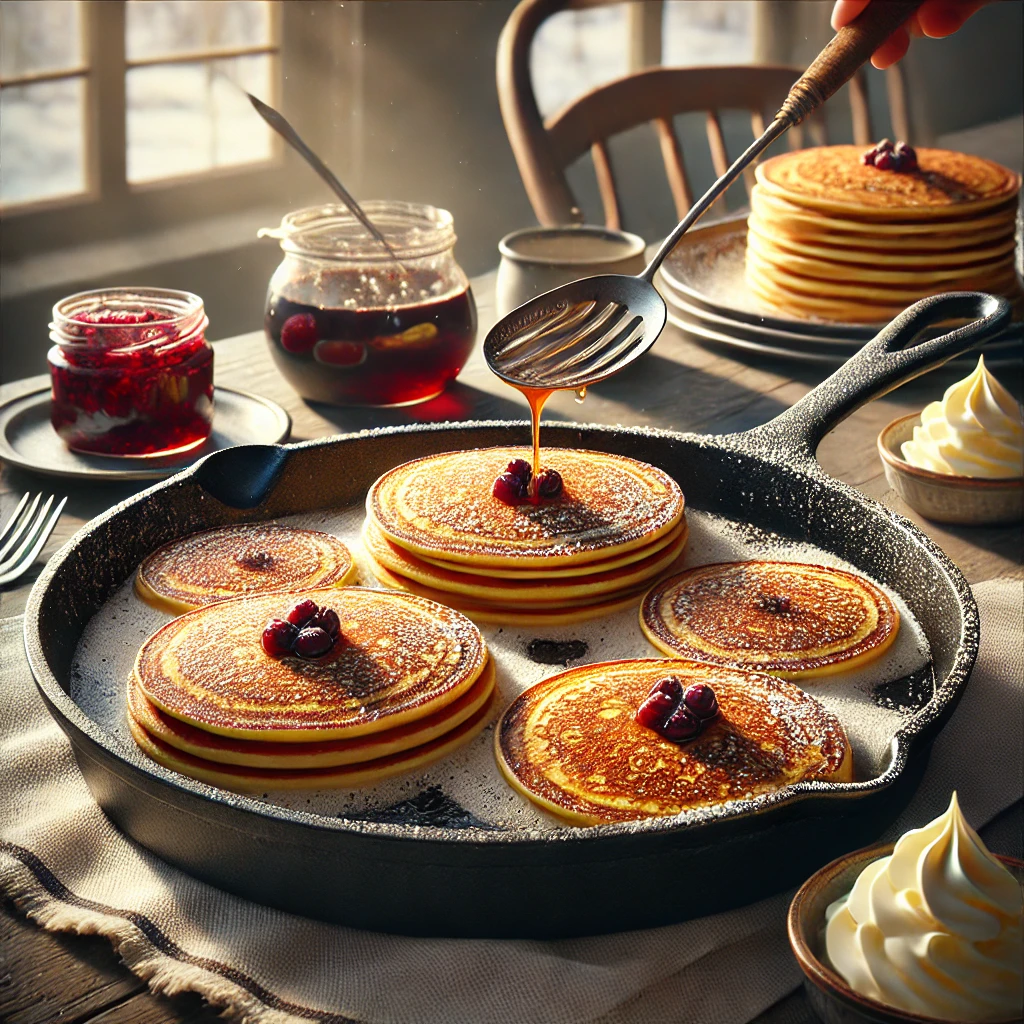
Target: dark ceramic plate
(28, 441)
(426, 869)
(703, 278)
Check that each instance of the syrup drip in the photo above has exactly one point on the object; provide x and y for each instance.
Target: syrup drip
(536, 397)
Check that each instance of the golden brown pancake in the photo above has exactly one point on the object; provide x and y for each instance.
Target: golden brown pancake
(833, 179)
(441, 507)
(399, 659)
(540, 614)
(559, 573)
(245, 559)
(791, 619)
(326, 754)
(518, 593)
(351, 776)
(571, 744)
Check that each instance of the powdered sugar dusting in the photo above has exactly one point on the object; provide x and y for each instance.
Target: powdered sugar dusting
(111, 641)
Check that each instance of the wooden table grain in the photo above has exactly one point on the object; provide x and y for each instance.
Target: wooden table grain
(679, 385)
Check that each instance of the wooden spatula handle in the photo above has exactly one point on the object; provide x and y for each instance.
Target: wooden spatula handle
(851, 47)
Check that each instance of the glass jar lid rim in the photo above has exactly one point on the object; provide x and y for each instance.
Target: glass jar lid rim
(174, 303)
(412, 229)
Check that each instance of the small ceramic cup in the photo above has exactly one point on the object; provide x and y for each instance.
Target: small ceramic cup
(535, 260)
(830, 997)
(967, 500)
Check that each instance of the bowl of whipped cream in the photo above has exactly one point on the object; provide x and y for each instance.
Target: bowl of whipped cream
(961, 460)
(927, 929)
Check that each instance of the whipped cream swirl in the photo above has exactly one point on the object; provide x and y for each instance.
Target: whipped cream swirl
(976, 430)
(935, 929)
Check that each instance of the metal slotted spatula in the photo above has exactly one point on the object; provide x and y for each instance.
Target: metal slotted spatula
(585, 331)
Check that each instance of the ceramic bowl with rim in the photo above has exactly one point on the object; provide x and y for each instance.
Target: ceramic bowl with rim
(535, 260)
(830, 997)
(966, 500)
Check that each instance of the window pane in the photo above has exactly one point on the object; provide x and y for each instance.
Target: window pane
(162, 28)
(184, 118)
(41, 139)
(39, 35)
(704, 32)
(575, 50)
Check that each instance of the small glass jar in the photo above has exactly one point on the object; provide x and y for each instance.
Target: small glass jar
(347, 325)
(132, 371)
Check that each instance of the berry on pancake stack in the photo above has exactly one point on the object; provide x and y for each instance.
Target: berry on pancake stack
(469, 529)
(848, 234)
(330, 688)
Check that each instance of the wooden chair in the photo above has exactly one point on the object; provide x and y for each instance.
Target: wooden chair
(544, 149)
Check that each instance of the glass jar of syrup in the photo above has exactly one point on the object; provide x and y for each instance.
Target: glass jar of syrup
(347, 325)
(131, 371)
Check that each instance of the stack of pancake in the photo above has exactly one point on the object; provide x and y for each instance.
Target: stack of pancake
(407, 682)
(434, 528)
(832, 238)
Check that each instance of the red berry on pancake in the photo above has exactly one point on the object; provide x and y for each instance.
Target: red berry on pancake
(279, 637)
(313, 642)
(303, 612)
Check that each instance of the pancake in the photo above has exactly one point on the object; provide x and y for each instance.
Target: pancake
(441, 506)
(327, 754)
(731, 613)
(351, 776)
(833, 179)
(515, 592)
(539, 614)
(399, 659)
(571, 745)
(902, 252)
(950, 229)
(559, 573)
(244, 559)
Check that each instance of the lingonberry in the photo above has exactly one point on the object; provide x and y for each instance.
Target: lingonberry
(885, 161)
(302, 612)
(313, 642)
(509, 488)
(681, 726)
(655, 711)
(327, 620)
(549, 483)
(279, 637)
(520, 468)
(701, 701)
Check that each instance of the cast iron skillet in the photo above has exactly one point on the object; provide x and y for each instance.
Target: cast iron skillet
(427, 869)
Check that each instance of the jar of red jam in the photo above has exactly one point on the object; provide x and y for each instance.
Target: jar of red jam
(349, 325)
(132, 371)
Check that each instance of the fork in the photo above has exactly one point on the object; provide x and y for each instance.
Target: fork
(25, 533)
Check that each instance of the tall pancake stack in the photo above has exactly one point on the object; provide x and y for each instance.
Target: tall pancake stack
(832, 238)
(434, 528)
(406, 683)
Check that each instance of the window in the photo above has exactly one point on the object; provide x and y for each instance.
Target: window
(187, 66)
(181, 68)
(43, 100)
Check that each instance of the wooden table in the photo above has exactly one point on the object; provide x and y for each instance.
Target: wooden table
(678, 386)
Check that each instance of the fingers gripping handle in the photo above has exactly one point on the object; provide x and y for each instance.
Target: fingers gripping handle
(851, 47)
(885, 363)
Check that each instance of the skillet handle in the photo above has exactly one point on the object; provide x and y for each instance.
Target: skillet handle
(883, 364)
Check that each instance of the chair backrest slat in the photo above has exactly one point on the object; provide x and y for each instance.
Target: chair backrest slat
(860, 110)
(675, 169)
(606, 185)
(719, 157)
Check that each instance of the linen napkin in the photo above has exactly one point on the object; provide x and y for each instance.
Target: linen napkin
(70, 869)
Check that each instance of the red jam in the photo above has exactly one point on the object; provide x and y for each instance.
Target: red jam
(131, 372)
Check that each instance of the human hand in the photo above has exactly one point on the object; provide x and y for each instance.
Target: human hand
(934, 18)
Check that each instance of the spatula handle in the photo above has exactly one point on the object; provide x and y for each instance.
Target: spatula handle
(851, 47)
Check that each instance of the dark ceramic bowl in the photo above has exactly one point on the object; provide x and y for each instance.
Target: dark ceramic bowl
(830, 997)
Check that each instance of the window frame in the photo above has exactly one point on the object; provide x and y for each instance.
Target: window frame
(111, 207)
